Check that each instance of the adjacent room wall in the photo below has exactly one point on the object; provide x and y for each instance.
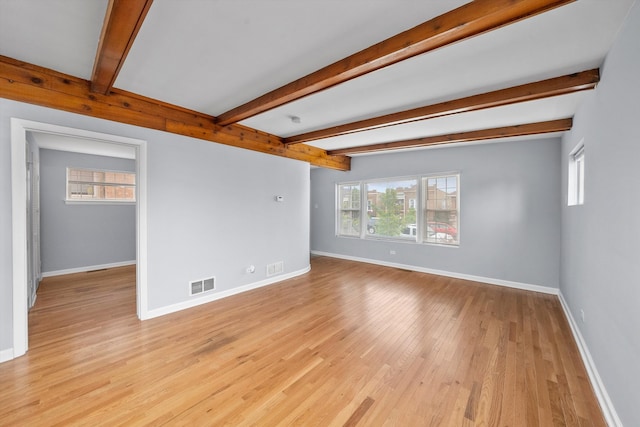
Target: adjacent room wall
(75, 236)
(509, 210)
(601, 239)
(212, 211)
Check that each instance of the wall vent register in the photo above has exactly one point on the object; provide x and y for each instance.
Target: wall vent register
(203, 285)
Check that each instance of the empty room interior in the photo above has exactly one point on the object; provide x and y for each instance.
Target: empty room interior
(244, 212)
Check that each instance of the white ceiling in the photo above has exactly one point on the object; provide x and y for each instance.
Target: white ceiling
(58, 34)
(213, 55)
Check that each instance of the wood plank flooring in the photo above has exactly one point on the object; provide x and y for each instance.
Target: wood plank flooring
(347, 344)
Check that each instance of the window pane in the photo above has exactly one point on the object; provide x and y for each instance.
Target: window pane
(349, 209)
(576, 177)
(452, 184)
(441, 210)
(350, 196)
(86, 184)
(350, 223)
(580, 178)
(392, 213)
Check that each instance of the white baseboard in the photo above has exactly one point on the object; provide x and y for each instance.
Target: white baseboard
(490, 281)
(6, 355)
(150, 314)
(606, 405)
(87, 268)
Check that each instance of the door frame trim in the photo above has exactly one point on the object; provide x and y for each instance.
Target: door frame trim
(19, 129)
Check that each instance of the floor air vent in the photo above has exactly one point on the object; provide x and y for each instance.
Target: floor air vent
(203, 285)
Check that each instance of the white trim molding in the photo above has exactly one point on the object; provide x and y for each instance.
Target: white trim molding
(6, 355)
(609, 411)
(488, 280)
(223, 294)
(19, 235)
(86, 269)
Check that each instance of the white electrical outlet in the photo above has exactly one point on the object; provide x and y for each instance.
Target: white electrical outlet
(392, 252)
(582, 315)
(275, 268)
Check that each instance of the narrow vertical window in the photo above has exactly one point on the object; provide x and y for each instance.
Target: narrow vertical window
(576, 176)
(441, 209)
(349, 209)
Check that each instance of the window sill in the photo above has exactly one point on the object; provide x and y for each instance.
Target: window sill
(398, 240)
(99, 202)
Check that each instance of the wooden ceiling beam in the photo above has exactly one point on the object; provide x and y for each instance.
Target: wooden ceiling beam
(563, 85)
(121, 24)
(32, 84)
(476, 135)
(469, 20)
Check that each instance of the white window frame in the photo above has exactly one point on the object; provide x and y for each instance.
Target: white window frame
(401, 197)
(575, 176)
(420, 210)
(423, 209)
(69, 200)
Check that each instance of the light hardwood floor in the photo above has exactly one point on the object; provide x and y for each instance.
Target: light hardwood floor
(347, 344)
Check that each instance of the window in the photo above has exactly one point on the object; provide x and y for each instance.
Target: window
(576, 176)
(90, 185)
(349, 209)
(441, 209)
(419, 209)
(391, 215)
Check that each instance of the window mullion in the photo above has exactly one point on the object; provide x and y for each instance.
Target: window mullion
(419, 213)
(363, 212)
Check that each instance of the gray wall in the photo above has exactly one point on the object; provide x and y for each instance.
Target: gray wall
(211, 210)
(509, 210)
(214, 214)
(601, 239)
(82, 235)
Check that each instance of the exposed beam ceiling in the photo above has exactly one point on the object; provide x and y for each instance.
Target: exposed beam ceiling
(469, 20)
(122, 21)
(528, 92)
(476, 135)
(37, 85)
(319, 141)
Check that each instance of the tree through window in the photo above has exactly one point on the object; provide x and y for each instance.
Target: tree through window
(392, 214)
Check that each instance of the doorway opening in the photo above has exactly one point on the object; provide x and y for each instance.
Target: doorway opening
(69, 139)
